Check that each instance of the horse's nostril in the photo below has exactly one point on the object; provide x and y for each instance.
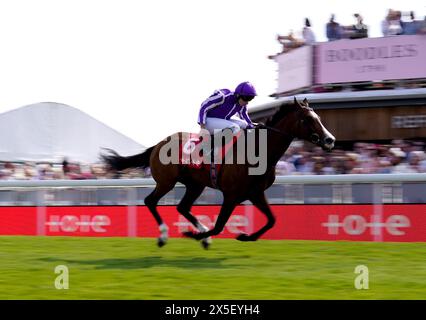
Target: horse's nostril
(328, 140)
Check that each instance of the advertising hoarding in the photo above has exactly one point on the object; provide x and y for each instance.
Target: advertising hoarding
(371, 59)
(396, 222)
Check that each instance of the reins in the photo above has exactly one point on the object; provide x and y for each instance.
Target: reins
(264, 126)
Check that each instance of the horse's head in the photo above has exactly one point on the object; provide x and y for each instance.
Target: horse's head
(309, 127)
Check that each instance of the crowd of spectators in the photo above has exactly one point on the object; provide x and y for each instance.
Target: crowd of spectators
(395, 23)
(398, 23)
(397, 157)
(65, 170)
(300, 159)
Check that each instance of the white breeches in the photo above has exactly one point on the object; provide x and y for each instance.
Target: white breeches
(235, 125)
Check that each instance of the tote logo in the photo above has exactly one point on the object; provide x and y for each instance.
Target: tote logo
(82, 223)
(357, 225)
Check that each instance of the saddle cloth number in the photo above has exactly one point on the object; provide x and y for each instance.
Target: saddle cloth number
(189, 146)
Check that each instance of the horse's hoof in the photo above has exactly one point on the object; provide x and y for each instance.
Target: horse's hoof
(161, 242)
(189, 234)
(244, 237)
(193, 235)
(205, 244)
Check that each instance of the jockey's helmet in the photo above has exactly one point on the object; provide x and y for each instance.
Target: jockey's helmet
(245, 89)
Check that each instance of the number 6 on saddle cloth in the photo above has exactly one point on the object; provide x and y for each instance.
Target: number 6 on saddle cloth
(197, 152)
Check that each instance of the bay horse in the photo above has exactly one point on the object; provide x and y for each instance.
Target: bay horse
(290, 121)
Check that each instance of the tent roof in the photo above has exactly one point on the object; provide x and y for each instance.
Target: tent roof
(50, 131)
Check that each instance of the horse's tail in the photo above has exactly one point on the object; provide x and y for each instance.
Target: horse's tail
(118, 163)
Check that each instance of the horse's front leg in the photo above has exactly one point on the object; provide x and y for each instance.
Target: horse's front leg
(225, 213)
(184, 208)
(262, 204)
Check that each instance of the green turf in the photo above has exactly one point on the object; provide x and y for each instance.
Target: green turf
(130, 268)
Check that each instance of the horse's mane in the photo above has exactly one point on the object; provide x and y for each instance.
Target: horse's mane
(282, 111)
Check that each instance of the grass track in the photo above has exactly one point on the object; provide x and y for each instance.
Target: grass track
(131, 268)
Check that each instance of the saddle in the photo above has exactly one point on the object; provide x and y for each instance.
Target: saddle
(191, 153)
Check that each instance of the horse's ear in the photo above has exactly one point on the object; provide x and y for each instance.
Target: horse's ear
(296, 102)
(305, 102)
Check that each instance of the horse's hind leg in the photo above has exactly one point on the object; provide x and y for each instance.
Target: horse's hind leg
(184, 207)
(151, 202)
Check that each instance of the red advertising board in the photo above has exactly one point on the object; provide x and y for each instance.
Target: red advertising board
(348, 222)
(304, 222)
(18, 221)
(86, 221)
(392, 222)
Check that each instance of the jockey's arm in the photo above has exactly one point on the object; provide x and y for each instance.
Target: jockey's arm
(244, 116)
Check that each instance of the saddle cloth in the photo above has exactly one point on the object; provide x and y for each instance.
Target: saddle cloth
(189, 151)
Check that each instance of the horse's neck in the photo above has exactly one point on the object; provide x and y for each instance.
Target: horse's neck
(278, 143)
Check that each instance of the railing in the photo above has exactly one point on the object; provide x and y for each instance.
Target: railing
(309, 189)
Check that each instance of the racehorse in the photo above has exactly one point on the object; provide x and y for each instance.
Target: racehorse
(292, 121)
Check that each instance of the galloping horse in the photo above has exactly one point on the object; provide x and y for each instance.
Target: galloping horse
(292, 121)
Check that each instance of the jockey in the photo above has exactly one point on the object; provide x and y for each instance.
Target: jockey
(216, 112)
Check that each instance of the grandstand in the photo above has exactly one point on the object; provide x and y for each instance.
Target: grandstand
(370, 89)
(377, 116)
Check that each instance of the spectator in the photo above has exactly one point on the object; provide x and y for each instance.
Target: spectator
(385, 23)
(384, 166)
(395, 24)
(422, 162)
(290, 42)
(415, 161)
(333, 30)
(304, 164)
(29, 171)
(397, 159)
(360, 30)
(352, 163)
(65, 167)
(318, 168)
(308, 34)
(284, 167)
(392, 25)
(338, 163)
(410, 27)
(7, 171)
(46, 172)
